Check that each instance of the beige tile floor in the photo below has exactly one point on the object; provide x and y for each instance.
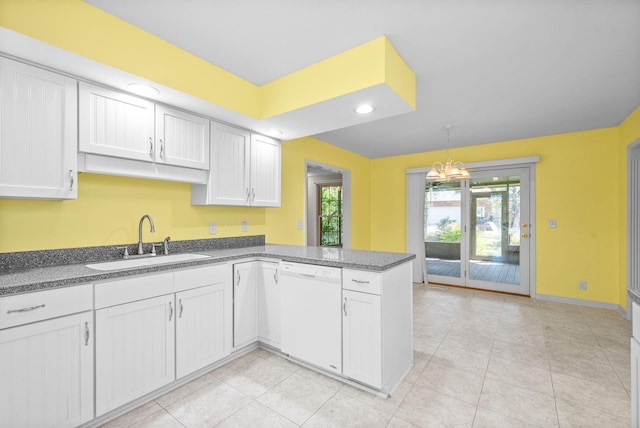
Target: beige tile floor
(481, 360)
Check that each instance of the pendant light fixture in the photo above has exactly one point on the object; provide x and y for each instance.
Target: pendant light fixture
(451, 169)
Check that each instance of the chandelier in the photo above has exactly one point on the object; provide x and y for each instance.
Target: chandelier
(451, 169)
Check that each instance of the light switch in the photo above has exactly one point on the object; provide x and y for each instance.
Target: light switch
(552, 223)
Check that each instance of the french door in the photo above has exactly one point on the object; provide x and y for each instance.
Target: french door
(477, 230)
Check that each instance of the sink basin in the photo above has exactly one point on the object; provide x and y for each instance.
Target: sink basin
(148, 261)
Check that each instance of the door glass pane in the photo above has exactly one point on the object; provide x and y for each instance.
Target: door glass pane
(494, 253)
(330, 218)
(443, 228)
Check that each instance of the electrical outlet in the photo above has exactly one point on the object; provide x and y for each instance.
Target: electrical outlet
(244, 226)
(299, 224)
(582, 285)
(212, 228)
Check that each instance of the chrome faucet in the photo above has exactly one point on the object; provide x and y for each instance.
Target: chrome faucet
(153, 229)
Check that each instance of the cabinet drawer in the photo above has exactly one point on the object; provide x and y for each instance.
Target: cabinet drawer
(199, 277)
(42, 305)
(358, 280)
(131, 289)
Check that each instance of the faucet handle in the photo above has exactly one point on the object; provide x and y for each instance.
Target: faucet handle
(126, 251)
(153, 248)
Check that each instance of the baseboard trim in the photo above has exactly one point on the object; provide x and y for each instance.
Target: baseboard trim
(581, 302)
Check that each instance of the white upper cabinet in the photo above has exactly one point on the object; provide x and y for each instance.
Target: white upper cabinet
(265, 171)
(115, 124)
(244, 170)
(38, 133)
(229, 174)
(120, 134)
(182, 138)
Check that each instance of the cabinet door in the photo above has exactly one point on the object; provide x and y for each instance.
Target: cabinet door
(38, 133)
(269, 305)
(201, 326)
(229, 168)
(115, 124)
(182, 138)
(46, 373)
(134, 350)
(245, 304)
(362, 337)
(265, 171)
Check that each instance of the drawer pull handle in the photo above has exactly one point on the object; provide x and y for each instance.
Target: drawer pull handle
(150, 147)
(86, 333)
(181, 308)
(170, 311)
(357, 281)
(344, 306)
(29, 309)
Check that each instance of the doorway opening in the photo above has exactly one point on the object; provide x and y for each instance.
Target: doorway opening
(327, 206)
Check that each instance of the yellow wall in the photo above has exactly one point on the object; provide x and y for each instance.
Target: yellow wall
(584, 246)
(108, 210)
(282, 222)
(83, 29)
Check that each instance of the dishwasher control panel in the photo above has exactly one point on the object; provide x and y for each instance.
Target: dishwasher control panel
(321, 272)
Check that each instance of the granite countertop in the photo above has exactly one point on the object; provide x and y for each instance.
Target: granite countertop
(22, 280)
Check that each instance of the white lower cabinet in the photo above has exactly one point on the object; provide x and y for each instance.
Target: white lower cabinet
(377, 326)
(269, 316)
(153, 329)
(200, 327)
(46, 373)
(134, 350)
(245, 303)
(361, 337)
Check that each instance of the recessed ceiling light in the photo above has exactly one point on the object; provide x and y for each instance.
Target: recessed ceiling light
(142, 89)
(364, 109)
(274, 132)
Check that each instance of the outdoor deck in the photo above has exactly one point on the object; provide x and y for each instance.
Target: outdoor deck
(480, 270)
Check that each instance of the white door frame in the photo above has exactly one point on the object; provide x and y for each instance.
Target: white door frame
(346, 202)
(529, 162)
(633, 211)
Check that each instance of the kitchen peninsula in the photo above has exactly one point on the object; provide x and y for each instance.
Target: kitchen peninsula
(144, 325)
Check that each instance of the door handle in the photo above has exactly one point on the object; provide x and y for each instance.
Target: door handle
(150, 147)
(344, 306)
(181, 308)
(170, 311)
(86, 333)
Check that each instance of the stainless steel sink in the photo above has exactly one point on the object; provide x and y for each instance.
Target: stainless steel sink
(149, 261)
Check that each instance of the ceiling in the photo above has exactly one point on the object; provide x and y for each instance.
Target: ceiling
(494, 69)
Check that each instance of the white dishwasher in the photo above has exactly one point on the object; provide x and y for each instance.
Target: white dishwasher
(311, 314)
